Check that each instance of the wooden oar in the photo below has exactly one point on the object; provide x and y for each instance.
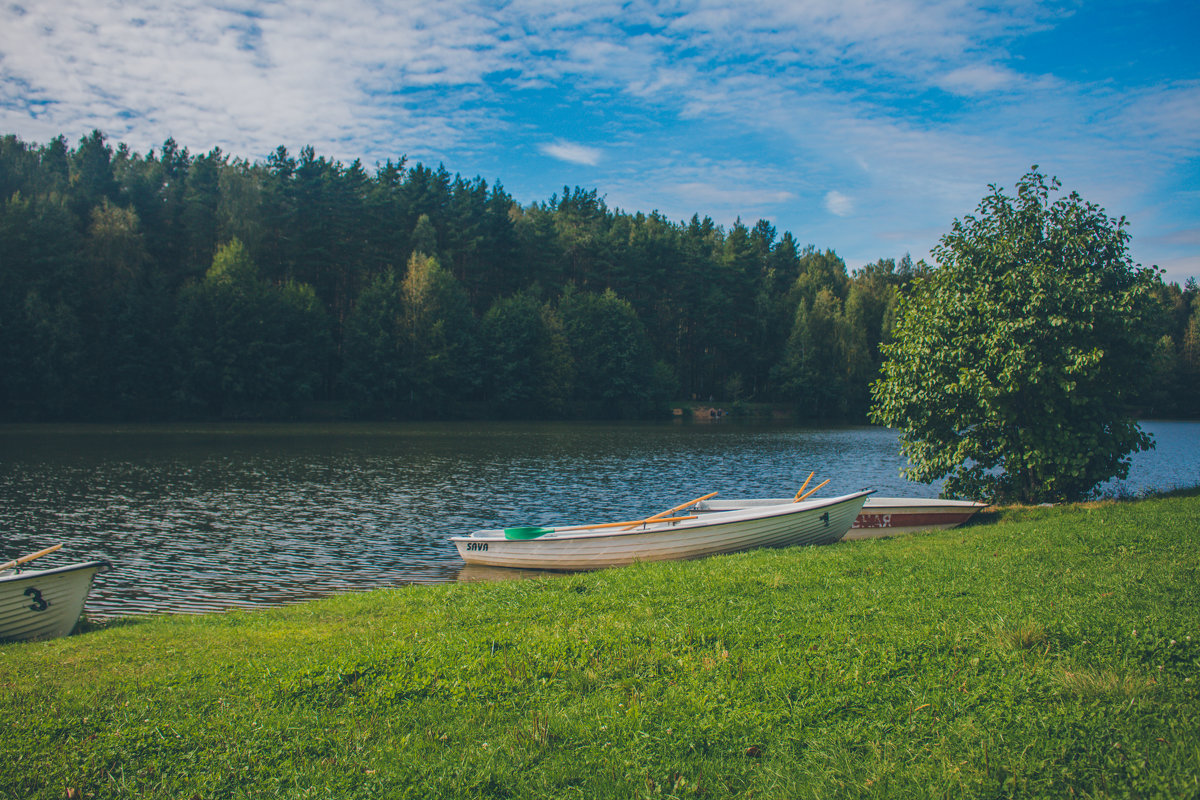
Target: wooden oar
(670, 511)
(534, 532)
(630, 525)
(797, 498)
(813, 490)
(18, 561)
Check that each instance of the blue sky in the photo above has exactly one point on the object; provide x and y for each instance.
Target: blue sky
(865, 126)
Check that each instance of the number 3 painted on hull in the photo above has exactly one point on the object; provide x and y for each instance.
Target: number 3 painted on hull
(39, 604)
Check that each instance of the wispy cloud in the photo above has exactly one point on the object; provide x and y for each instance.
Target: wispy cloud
(714, 106)
(572, 153)
(248, 78)
(978, 79)
(838, 203)
(680, 184)
(264, 72)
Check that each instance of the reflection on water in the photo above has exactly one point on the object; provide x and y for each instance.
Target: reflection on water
(478, 573)
(202, 518)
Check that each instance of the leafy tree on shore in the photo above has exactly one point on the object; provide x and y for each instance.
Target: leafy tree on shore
(1189, 374)
(610, 350)
(373, 375)
(250, 348)
(409, 344)
(529, 371)
(1014, 361)
(824, 362)
(441, 359)
(42, 343)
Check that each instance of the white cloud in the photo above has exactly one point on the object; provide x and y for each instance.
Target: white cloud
(572, 153)
(680, 184)
(1167, 116)
(838, 203)
(251, 74)
(245, 78)
(978, 79)
(715, 106)
(362, 80)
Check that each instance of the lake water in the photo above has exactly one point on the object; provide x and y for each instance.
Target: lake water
(202, 518)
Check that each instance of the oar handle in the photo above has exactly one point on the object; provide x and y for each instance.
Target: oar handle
(812, 490)
(18, 561)
(798, 498)
(669, 511)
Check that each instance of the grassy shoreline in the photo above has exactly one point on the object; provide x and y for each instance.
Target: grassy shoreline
(1041, 652)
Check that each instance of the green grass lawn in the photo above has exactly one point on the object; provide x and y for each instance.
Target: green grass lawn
(1039, 652)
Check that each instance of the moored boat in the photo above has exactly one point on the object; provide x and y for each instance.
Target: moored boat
(45, 603)
(580, 547)
(880, 516)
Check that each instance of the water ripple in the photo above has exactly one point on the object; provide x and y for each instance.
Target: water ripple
(207, 518)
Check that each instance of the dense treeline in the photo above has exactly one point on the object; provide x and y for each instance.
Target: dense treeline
(173, 285)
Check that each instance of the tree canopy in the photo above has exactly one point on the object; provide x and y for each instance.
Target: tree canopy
(1015, 363)
(412, 290)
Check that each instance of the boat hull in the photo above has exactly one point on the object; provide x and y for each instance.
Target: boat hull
(44, 604)
(900, 515)
(810, 522)
(882, 516)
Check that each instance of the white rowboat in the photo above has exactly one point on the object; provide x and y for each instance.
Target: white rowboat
(880, 516)
(45, 603)
(585, 547)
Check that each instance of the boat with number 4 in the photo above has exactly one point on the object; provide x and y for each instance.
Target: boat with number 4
(44, 603)
(880, 516)
(663, 537)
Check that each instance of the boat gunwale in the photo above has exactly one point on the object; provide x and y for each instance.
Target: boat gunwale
(708, 520)
(925, 504)
(100, 565)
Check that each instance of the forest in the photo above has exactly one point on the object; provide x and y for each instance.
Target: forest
(168, 286)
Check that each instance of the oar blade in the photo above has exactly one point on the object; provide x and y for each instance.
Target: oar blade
(526, 532)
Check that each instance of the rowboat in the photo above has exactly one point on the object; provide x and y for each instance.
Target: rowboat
(663, 538)
(880, 516)
(45, 603)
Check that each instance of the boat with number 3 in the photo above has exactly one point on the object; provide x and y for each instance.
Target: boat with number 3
(44, 603)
